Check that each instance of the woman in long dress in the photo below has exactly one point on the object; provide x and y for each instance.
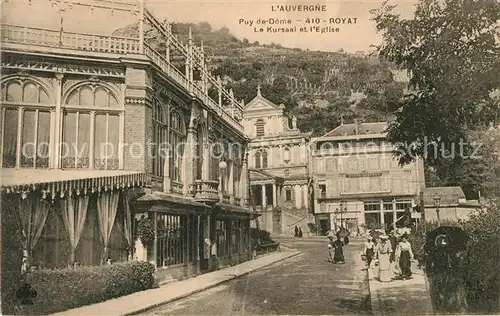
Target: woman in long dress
(404, 255)
(339, 251)
(384, 251)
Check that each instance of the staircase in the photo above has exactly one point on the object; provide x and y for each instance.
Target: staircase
(291, 219)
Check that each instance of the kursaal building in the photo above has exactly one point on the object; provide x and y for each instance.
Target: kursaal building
(101, 131)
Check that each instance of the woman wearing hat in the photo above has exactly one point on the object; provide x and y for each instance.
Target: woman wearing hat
(404, 256)
(384, 251)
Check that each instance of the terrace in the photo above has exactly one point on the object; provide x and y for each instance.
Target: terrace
(47, 40)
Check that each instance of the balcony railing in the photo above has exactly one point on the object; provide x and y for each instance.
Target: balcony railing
(180, 78)
(70, 40)
(177, 187)
(226, 198)
(237, 201)
(206, 191)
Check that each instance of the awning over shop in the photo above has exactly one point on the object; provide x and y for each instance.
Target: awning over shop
(53, 182)
(235, 210)
(169, 203)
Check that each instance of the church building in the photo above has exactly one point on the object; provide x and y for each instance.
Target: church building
(278, 166)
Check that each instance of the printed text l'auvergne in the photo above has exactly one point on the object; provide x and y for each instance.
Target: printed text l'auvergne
(299, 8)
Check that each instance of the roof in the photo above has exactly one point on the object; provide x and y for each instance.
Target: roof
(164, 197)
(448, 195)
(364, 129)
(20, 177)
(258, 174)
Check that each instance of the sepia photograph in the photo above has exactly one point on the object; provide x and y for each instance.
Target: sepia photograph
(235, 157)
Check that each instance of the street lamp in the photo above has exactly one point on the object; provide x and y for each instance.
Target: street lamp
(341, 211)
(437, 202)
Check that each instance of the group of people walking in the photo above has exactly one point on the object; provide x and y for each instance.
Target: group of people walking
(389, 251)
(336, 247)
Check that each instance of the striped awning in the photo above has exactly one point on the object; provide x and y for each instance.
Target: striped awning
(61, 182)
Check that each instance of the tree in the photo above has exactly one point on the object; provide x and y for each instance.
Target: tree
(454, 58)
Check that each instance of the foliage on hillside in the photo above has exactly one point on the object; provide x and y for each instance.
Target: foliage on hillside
(295, 77)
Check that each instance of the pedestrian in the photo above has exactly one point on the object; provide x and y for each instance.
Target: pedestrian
(300, 233)
(394, 243)
(369, 252)
(331, 248)
(339, 251)
(384, 251)
(296, 231)
(404, 256)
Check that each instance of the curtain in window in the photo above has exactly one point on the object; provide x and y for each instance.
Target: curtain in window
(100, 142)
(127, 226)
(43, 140)
(33, 214)
(74, 212)
(10, 138)
(83, 146)
(28, 145)
(113, 142)
(107, 206)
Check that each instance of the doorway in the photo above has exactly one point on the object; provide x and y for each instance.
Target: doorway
(204, 249)
(324, 226)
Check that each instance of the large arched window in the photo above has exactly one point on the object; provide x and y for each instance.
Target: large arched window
(159, 138)
(258, 159)
(27, 122)
(260, 128)
(177, 135)
(264, 159)
(91, 129)
(261, 158)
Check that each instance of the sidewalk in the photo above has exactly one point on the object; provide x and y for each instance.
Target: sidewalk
(410, 297)
(142, 301)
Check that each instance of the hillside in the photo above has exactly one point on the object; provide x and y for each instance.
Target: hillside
(317, 87)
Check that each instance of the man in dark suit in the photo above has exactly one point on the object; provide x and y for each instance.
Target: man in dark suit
(394, 243)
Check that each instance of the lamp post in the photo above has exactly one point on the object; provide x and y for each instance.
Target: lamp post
(222, 167)
(437, 202)
(341, 211)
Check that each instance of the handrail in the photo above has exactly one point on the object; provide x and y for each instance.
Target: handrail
(66, 32)
(71, 40)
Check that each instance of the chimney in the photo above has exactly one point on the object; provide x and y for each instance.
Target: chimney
(356, 126)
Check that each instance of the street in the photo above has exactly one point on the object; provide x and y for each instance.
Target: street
(303, 285)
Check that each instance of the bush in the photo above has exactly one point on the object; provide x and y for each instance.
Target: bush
(12, 254)
(64, 289)
(260, 236)
(483, 277)
(482, 272)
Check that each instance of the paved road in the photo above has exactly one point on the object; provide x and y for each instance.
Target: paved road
(303, 285)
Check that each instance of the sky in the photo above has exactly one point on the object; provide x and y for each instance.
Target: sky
(229, 13)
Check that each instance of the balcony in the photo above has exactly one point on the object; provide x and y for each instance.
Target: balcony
(206, 191)
(226, 198)
(70, 40)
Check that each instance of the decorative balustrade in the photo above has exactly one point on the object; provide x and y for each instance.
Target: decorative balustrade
(192, 87)
(117, 45)
(206, 191)
(226, 198)
(177, 187)
(70, 40)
